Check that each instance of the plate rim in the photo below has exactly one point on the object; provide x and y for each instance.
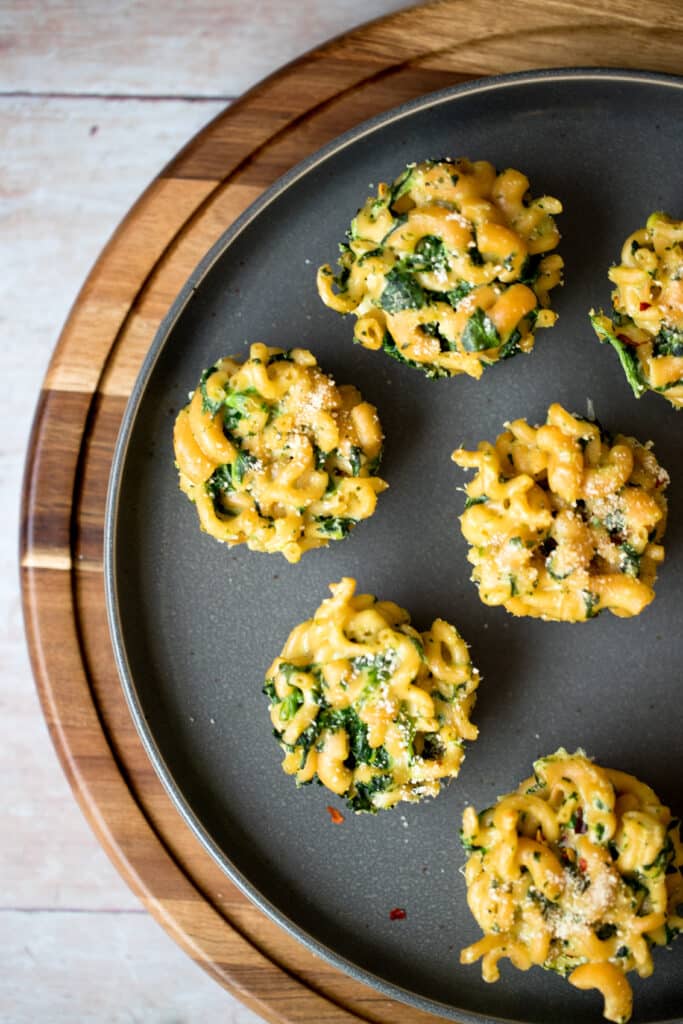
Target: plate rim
(114, 621)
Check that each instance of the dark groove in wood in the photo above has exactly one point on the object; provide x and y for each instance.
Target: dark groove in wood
(117, 97)
(81, 911)
(48, 485)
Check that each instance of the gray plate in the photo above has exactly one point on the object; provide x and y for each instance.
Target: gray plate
(195, 625)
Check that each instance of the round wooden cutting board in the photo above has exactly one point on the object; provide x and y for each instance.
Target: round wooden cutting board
(84, 395)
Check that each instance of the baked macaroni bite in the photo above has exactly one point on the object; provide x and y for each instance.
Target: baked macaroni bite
(369, 707)
(646, 326)
(275, 455)
(449, 268)
(578, 871)
(563, 520)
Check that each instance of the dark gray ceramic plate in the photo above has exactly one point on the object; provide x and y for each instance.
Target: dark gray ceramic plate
(196, 625)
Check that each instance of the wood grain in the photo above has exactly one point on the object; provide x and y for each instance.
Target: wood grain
(199, 50)
(94, 366)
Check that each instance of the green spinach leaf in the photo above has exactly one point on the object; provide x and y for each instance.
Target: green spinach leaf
(401, 291)
(334, 527)
(627, 357)
(480, 333)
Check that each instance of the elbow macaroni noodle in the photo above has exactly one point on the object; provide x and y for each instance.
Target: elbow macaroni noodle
(375, 710)
(448, 269)
(646, 328)
(275, 455)
(578, 871)
(564, 521)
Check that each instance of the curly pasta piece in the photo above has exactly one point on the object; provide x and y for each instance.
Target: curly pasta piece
(564, 521)
(449, 268)
(646, 327)
(276, 456)
(375, 710)
(578, 871)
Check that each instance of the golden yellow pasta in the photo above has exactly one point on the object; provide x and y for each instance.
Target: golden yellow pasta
(275, 455)
(564, 521)
(578, 871)
(374, 710)
(449, 268)
(646, 327)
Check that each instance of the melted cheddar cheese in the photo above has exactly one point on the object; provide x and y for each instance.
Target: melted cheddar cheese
(578, 871)
(449, 268)
(646, 327)
(374, 710)
(275, 456)
(564, 521)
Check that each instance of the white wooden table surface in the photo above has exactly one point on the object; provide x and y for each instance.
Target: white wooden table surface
(95, 97)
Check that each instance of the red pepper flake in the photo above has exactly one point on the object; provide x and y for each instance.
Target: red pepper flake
(644, 305)
(583, 864)
(397, 914)
(625, 338)
(334, 814)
